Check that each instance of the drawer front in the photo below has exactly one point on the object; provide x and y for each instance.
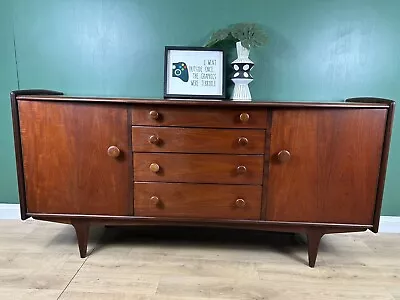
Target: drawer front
(199, 117)
(201, 168)
(197, 140)
(207, 201)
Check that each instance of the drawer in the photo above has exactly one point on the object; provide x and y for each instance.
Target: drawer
(208, 201)
(159, 115)
(201, 168)
(198, 140)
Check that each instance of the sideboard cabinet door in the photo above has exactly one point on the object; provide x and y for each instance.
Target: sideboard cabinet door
(75, 158)
(324, 165)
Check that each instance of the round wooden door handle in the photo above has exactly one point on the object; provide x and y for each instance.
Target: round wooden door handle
(153, 139)
(154, 167)
(154, 115)
(155, 200)
(243, 141)
(240, 202)
(113, 151)
(241, 169)
(244, 117)
(284, 156)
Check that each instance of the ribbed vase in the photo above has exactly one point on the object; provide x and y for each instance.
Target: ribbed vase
(241, 74)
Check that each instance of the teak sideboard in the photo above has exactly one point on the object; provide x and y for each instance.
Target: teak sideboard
(312, 168)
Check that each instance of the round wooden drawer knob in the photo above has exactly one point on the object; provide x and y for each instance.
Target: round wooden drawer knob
(241, 169)
(244, 117)
(154, 115)
(155, 200)
(284, 156)
(154, 167)
(113, 151)
(153, 139)
(243, 141)
(240, 202)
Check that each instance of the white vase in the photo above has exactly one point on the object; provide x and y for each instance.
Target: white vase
(241, 74)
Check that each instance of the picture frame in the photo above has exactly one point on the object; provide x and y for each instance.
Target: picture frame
(194, 73)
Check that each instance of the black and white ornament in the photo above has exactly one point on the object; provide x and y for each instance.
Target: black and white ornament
(241, 74)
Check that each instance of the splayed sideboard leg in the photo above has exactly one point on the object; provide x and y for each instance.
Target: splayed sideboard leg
(313, 237)
(82, 233)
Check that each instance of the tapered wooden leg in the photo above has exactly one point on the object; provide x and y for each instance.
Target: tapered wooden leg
(313, 238)
(82, 233)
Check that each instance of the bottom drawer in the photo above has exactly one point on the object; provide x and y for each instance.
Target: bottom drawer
(206, 201)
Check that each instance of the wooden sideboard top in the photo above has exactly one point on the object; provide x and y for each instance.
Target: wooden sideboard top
(348, 103)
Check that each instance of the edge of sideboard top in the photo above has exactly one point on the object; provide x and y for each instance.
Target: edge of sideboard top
(381, 103)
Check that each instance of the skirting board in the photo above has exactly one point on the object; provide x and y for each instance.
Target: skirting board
(387, 224)
(9, 212)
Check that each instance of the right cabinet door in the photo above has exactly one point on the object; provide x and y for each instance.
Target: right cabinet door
(324, 165)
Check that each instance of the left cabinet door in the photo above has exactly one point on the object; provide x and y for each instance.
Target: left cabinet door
(68, 167)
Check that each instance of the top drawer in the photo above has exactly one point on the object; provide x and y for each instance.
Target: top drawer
(161, 115)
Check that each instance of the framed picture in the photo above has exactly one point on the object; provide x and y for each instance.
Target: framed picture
(194, 72)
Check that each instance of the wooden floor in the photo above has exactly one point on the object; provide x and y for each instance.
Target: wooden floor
(39, 260)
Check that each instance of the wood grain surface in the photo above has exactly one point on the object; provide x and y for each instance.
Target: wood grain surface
(199, 168)
(206, 201)
(198, 140)
(333, 170)
(199, 117)
(66, 166)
